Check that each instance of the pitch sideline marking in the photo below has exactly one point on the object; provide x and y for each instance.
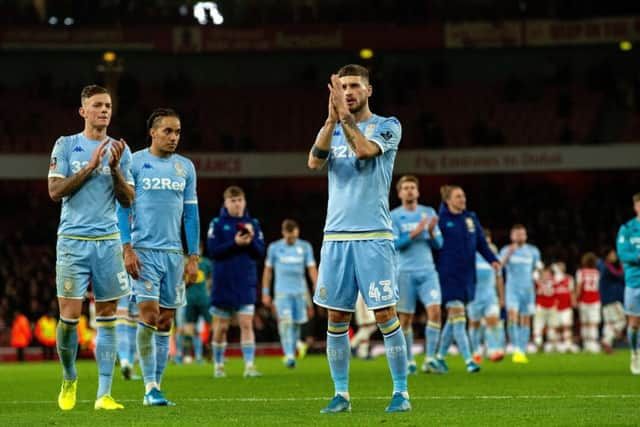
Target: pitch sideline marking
(301, 399)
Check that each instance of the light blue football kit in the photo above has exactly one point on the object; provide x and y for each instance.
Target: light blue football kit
(290, 263)
(485, 303)
(417, 275)
(165, 193)
(520, 289)
(88, 250)
(628, 247)
(358, 253)
(88, 246)
(165, 196)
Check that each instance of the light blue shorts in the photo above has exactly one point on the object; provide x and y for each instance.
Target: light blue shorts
(129, 304)
(632, 301)
(413, 285)
(161, 278)
(291, 308)
(346, 267)
(483, 306)
(521, 300)
(228, 313)
(78, 261)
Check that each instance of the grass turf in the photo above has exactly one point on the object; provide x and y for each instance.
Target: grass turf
(552, 390)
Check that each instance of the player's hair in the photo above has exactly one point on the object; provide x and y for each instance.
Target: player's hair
(518, 227)
(407, 178)
(636, 197)
(90, 90)
(289, 225)
(446, 190)
(233, 191)
(158, 114)
(354, 70)
(589, 260)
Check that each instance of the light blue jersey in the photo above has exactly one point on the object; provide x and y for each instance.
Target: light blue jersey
(290, 263)
(90, 212)
(628, 247)
(485, 279)
(414, 254)
(358, 207)
(163, 187)
(520, 267)
(358, 252)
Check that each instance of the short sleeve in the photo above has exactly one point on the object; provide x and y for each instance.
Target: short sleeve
(387, 135)
(125, 166)
(59, 164)
(271, 256)
(190, 193)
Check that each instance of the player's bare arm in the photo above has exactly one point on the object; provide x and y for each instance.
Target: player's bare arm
(267, 275)
(322, 146)
(123, 191)
(360, 145)
(131, 261)
(192, 269)
(63, 187)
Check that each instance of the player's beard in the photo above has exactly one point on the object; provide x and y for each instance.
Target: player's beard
(357, 108)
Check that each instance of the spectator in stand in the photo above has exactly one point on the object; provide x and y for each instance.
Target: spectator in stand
(45, 332)
(612, 295)
(20, 334)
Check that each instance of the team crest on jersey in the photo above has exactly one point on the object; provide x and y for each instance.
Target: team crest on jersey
(180, 169)
(368, 131)
(299, 250)
(470, 225)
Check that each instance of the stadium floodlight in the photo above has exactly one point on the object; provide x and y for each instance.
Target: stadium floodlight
(53, 20)
(205, 10)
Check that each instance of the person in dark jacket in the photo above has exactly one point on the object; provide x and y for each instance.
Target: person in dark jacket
(612, 295)
(456, 264)
(235, 242)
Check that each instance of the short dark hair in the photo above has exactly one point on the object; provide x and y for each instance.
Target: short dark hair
(636, 197)
(354, 70)
(407, 178)
(289, 225)
(233, 191)
(158, 114)
(90, 90)
(518, 227)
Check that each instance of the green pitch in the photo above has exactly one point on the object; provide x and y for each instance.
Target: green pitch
(580, 389)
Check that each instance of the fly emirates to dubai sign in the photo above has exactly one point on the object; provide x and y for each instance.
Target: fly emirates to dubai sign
(419, 162)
